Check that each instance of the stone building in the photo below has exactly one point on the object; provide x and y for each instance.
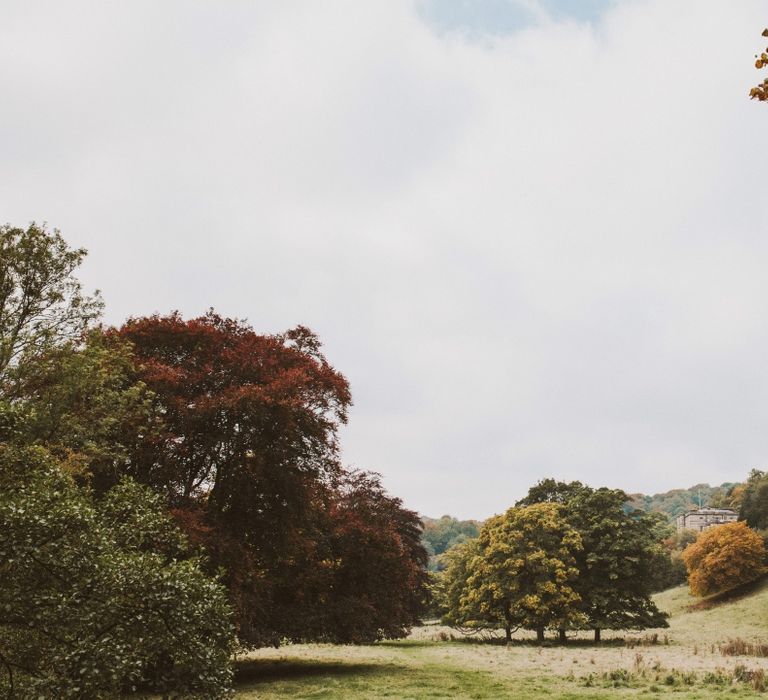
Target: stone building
(703, 518)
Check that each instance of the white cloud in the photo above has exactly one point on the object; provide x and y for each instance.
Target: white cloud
(535, 254)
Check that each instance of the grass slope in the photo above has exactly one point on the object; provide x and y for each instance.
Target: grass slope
(684, 663)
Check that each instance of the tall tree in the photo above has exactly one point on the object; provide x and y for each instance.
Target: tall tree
(615, 563)
(41, 301)
(244, 449)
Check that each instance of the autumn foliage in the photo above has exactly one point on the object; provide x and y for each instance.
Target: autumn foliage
(520, 573)
(724, 557)
(242, 443)
(760, 92)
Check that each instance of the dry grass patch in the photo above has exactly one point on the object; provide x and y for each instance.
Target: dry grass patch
(741, 647)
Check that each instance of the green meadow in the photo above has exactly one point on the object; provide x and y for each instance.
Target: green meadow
(689, 660)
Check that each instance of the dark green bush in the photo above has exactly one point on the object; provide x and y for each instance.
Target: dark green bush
(96, 597)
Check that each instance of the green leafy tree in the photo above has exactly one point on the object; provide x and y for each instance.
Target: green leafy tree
(99, 598)
(443, 533)
(727, 496)
(449, 591)
(616, 561)
(724, 557)
(667, 567)
(523, 573)
(41, 301)
(754, 500)
(85, 404)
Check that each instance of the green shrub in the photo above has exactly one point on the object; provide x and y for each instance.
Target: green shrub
(96, 599)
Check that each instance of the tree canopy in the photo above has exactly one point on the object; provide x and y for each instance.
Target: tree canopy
(754, 500)
(41, 301)
(84, 403)
(724, 557)
(520, 573)
(618, 555)
(242, 443)
(677, 501)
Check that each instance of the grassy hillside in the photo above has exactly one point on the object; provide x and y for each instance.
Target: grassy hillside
(713, 620)
(684, 662)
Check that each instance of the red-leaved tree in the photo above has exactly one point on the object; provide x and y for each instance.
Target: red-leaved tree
(379, 578)
(243, 445)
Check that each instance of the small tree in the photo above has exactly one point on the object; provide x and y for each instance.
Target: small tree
(724, 557)
(449, 591)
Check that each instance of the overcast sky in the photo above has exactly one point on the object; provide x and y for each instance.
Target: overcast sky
(532, 234)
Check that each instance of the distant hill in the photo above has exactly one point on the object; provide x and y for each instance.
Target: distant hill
(673, 503)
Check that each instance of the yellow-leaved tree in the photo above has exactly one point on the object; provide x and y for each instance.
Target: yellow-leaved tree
(723, 558)
(519, 573)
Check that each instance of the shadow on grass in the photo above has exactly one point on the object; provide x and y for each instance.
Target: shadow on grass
(405, 643)
(550, 643)
(729, 596)
(327, 679)
(254, 671)
(648, 640)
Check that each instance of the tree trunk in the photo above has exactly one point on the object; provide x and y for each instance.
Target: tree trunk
(597, 634)
(563, 638)
(508, 625)
(539, 634)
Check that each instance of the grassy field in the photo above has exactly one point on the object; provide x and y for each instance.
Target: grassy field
(684, 661)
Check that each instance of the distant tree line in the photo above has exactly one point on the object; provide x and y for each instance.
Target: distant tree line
(440, 534)
(678, 501)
